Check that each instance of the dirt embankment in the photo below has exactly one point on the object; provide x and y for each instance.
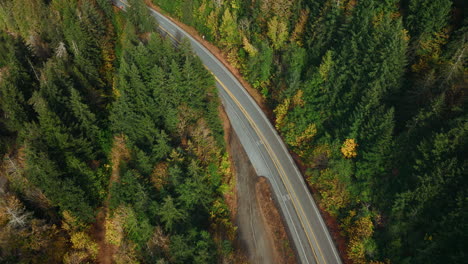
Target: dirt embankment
(275, 223)
(231, 196)
(261, 234)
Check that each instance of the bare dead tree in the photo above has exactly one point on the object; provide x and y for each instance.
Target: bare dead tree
(218, 3)
(75, 48)
(14, 209)
(61, 51)
(244, 24)
(34, 70)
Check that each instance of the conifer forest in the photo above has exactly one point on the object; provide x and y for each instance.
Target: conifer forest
(111, 138)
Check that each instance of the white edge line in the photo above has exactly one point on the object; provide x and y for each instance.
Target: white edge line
(274, 180)
(275, 133)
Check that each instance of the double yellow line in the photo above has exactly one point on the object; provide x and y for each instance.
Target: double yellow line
(278, 166)
(273, 156)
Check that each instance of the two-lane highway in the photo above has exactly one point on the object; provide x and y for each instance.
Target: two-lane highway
(268, 155)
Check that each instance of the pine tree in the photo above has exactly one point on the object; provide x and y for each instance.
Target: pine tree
(427, 17)
(139, 15)
(170, 214)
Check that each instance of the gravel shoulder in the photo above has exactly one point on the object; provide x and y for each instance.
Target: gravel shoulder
(261, 231)
(253, 236)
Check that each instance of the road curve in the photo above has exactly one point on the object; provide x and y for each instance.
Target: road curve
(268, 155)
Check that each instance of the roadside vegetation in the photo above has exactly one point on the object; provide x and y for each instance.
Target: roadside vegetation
(371, 96)
(102, 117)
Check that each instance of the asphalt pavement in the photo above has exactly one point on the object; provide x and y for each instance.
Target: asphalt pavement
(268, 155)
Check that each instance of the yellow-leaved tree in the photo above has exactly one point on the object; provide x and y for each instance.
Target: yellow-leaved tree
(228, 30)
(280, 111)
(277, 32)
(334, 195)
(84, 249)
(299, 29)
(349, 148)
(251, 50)
(361, 230)
(306, 136)
(297, 98)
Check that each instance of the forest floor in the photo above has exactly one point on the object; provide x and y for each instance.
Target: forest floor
(98, 230)
(261, 233)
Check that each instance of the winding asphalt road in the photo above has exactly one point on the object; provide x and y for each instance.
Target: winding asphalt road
(268, 155)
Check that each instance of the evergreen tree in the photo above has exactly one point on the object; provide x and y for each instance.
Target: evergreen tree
(140, 16)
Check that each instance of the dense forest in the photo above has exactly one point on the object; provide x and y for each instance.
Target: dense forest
(105, 125)
(372, 97)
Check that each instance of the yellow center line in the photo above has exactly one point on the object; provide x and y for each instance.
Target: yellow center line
(273, 156)
(172, 36)
(276, 162)
(280, 169)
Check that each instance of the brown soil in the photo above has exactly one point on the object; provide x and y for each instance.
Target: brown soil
(260, 234)
(98, 233)
(274, 222)
(98, 230)
(230, 196)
